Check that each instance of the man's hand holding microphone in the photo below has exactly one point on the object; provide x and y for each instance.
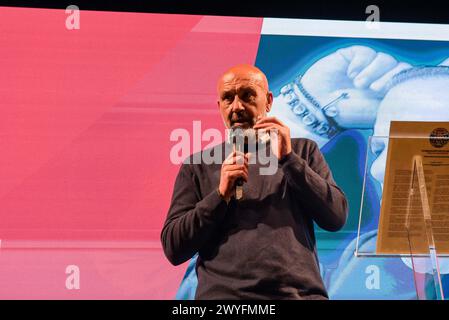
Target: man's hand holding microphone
(234, 170)
(234, 167)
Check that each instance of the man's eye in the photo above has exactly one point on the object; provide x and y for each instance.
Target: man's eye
(247, 96)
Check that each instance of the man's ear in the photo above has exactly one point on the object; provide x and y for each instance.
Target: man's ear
(269, 101)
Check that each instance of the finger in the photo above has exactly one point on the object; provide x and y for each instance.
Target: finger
(377, 68)
(270, 119)
(236, 167)
(380, 85)
(233, 161)
(234, 175)
(272, 129)
(234, 156)
(244, 172)
(359, 57)
(268, 126)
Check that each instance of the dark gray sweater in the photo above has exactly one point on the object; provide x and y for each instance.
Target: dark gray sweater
(262, 246)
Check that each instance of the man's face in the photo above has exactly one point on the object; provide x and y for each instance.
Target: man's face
(415, 100)
(243, 96)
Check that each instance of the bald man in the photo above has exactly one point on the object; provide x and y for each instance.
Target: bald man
(263, 245)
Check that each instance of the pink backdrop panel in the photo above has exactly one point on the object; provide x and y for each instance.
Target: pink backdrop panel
(85, 123)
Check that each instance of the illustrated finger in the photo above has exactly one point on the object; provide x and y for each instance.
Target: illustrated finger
(380, 84)
(359, 57)
(377, 68)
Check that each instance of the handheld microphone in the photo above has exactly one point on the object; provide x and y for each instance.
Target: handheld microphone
(238, 137)
(238, 141)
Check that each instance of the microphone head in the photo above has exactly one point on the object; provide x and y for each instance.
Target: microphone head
(236, 132)
(237, 138)
(241, 138)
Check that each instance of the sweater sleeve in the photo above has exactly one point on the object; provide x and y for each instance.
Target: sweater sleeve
(313, 182)
(190, 220)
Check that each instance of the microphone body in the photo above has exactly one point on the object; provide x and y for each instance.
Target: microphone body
(239, 181)
(238, 141)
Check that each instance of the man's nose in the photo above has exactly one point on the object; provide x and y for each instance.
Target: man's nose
(237, 104)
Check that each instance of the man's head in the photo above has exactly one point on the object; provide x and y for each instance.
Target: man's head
(417, 94)
(243, 96)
